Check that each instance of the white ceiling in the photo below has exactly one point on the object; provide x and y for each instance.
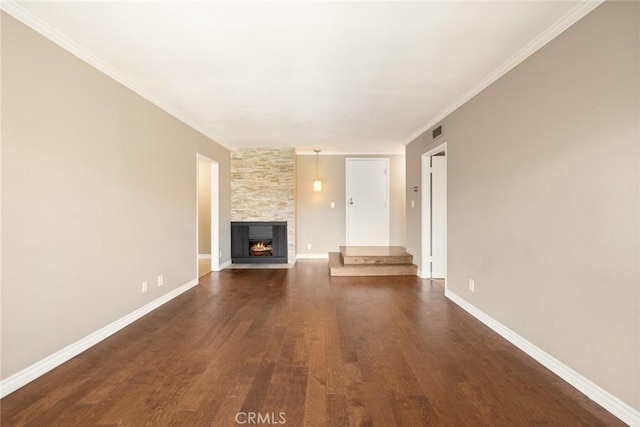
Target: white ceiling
(339, 76)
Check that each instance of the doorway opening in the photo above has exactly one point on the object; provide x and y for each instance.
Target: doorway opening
(434, 214)
(367, 191)
(207, 216)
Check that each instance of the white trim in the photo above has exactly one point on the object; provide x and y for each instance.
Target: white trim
(425, 208)
(215, 216)
(214, 210)
(422, 275)
(596, 393)
(425, 215)
(351, 153)
(204, 256)
(14, 9)
(573, 16)
(223, 265)
(312, 256)
(25, 376)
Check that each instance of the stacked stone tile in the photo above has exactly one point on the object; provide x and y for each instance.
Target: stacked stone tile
(263, 188)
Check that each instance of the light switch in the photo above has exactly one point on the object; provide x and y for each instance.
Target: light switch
(413, 204)
(333, 205)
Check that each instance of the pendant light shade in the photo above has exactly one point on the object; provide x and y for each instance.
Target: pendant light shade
(317, 183)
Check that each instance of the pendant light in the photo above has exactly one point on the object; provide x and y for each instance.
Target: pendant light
(317, 183)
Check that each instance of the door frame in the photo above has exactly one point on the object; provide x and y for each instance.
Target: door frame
(215, 211)
(425, 241)
(346, 188)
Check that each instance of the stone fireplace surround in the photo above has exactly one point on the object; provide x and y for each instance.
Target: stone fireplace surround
(263, 188)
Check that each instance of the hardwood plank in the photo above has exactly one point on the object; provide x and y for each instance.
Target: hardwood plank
(337, 414)
(358, 408)
(379, 398)
(325, 351)
(425, 410)
(316, 403)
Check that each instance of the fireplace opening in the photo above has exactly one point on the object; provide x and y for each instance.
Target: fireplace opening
(259, 242)
(260, 248)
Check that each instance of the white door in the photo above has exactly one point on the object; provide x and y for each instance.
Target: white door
(367, 202)
(438, 215)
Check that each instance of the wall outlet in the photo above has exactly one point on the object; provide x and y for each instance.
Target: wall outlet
(160, 280)
(144, 286)
(472, 285)
(220, 255)
(308, 245)
(413, 203)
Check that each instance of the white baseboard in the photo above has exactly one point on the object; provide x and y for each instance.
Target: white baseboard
(19, 379)
(204, 256)
(596, 393)
(224, 265)
(312, 256)
(422, 275)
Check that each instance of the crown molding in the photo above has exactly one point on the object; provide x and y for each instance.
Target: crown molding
(14, 9)
(570, 18)
(350, 153)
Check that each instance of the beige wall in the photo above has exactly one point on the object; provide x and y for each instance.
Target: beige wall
(325, 228)
(263, 188)
(204, 207)
(98, 195)
(543, 198)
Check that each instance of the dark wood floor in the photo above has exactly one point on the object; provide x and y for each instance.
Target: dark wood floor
(323, 351)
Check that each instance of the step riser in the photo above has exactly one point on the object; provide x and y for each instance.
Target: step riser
(338, 268)
(345, 272)
(377, 260)
(375, 255)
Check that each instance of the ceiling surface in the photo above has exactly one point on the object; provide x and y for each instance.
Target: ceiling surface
(339, 76)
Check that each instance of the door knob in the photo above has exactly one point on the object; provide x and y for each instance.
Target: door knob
(350, 200)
